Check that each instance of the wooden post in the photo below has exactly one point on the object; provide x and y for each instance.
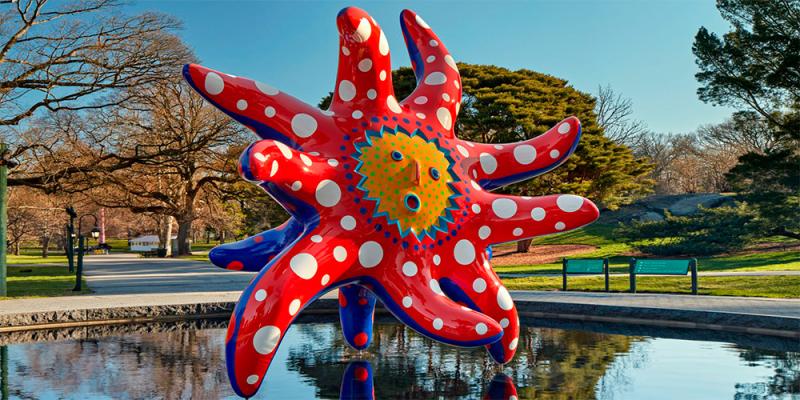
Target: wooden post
(605, 267)
(3, 219)
(564, 274)
(693, 266)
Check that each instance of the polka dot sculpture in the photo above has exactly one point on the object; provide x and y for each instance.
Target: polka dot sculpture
(386, 202)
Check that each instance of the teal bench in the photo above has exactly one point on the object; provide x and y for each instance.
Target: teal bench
(649, 266)
(583, 266)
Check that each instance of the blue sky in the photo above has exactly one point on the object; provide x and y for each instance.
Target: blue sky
(642, 48)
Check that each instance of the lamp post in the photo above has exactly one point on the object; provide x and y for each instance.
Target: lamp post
(5, 165)
(70, 238)
(82, 242)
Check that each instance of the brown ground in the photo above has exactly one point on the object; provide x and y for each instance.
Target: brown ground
(538, 254)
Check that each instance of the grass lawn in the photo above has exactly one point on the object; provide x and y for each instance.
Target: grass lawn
(751, 286)
(41, 282)
(602, 237)
(36, 259)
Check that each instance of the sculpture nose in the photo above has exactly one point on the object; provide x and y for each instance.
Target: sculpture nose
(416, 172)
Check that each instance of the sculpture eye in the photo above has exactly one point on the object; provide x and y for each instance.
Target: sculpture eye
(434, 173)
(396, 155)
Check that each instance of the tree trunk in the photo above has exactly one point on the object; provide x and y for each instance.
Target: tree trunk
(45, 246)
(184, 230)
(786, 233)
(16, 248)
(523, 245)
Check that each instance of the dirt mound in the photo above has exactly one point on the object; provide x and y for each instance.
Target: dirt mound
(540, 254)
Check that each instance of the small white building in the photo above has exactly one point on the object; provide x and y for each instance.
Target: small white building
(148, 242)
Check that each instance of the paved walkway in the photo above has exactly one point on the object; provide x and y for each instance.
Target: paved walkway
(120, 273)
(715, 273)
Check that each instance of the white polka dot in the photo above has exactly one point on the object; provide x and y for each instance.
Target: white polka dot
(365, 65)
(484, 232)
(266, 89)
(437, 259)
(434, 285)
(348, 223)
(461, 149)
(269, 111)
(304, 125)
(479, 285)
(569, 202)
(345, 51)
(339, 253)
(294, 306)
(357, 114)
(433, 43)
(409, 269)
(498, 147)
(420, 115)
(325, 279)
(554, 153)
(407, 302)
(464, 252)
(504, 323)
(347, 90)
(451, 62)
(513, 344)
(260, 295)
(481, 328)
(241, 105)
(444, 117)
(538, 214)
(383, 45)
(372, 94)
(266, 339)
(475, 185)
(435, 78)
(560, 226)
(504, 208)
(382, 75)
(430, 59)
(304, 265)
(285, 150)
(333, 162)
(422, 23)
(445, 97)
(316, 239)
(363, 31)
(476, 209)
(391, 102)
(370, 254)
(524, 154)
(438, 324)
(517, 232)
(488, 163)
(328, 193)
(304, 158)
(504, 299)
(564, 128)
(214, 83)
(421, 100)
(274, 169)
(252, 379)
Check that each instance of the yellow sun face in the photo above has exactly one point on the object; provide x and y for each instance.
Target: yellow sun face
(409, 177)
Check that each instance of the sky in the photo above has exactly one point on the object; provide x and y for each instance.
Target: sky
(641, 48)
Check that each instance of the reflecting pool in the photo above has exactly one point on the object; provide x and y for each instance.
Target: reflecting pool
(557, 361)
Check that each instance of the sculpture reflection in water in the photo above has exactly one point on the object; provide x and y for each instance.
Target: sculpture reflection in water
(357, 384)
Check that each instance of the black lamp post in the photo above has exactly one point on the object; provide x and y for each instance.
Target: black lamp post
(82, 248)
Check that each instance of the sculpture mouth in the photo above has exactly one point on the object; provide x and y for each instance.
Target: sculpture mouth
(409, 178)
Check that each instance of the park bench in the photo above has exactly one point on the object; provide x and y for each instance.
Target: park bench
(583, 266)
(650, 266)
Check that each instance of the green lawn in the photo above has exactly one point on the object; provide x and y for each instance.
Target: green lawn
(751, 286)
(22, 259)
(602, 237)
(41, 282)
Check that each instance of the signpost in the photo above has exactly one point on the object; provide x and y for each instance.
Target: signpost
(5, 164)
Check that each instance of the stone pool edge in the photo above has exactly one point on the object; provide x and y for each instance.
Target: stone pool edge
(769, 325)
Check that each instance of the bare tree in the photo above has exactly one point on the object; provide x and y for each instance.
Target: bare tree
(614, 115)
(54, 55)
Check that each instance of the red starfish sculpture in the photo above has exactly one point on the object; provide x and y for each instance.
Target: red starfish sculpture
(386, 201)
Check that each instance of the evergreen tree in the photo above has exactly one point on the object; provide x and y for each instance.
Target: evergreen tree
(756, 66)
